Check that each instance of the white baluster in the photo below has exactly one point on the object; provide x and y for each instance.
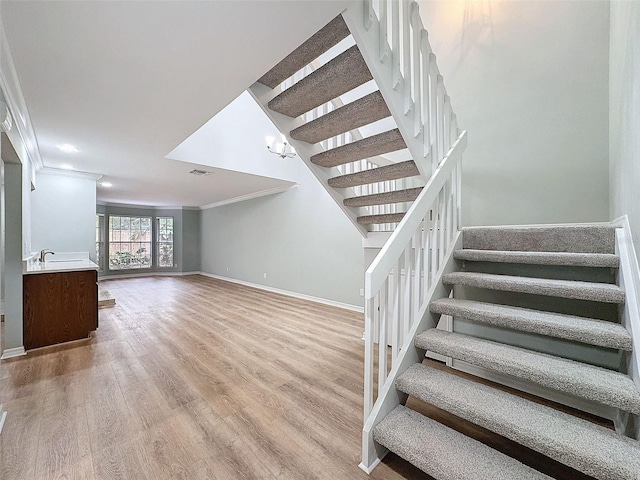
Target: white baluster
(384, 42)
(368, 14)
(406, 57)
(416, 25)
(382, 344)
(395, 43)
(368, 357)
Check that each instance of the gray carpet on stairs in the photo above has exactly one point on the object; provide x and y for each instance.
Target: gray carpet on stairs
(379, 144)
(569, 327)
(330, 35)
(380, 174)
(382, 218)
(397, 196)
(578, 238)
(580, 444)
(356, 114)
(444, 453)
(578, 379)
(598, 292)
(539, 258)
(336, 77)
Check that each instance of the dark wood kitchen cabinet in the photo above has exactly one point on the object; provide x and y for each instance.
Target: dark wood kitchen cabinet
(59, 307)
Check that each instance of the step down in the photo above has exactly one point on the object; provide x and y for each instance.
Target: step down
(539, 258)
(444, 453)
(328, 36)
(569, 327)
(380, 174)
(580, 444)
(340, 75)
(597, 292)
(356, 114)
(579, 379)
(397, 196)
(379, 219)
(372, 146)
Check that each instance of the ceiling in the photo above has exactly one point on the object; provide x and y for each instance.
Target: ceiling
(127, 82)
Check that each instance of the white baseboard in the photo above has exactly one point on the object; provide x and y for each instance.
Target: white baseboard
(593, 408)
(13, 352)
(145, 274)
(288, 293)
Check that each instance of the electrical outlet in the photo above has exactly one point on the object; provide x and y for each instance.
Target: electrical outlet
(265, 275)
(362, 292)
(227, 269)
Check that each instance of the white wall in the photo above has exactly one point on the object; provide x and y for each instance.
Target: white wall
(299, 238)
(624, 114)
(63, 213)
(529, 81)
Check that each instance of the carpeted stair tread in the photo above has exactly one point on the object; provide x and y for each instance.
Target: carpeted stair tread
(382, 218)
(559, 238)
(380, 174)
(356, 114)
(396, 196)
(379, 144)
(569, 327)
(444, 453)
(328, 36)
(580, 444)
(579, 379)
(539, 258)
(338, 76)
(599, 292)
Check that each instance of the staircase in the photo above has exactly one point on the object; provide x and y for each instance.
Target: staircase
(304, 95)
(535, 309)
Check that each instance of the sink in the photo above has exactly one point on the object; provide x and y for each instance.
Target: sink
(62, 261)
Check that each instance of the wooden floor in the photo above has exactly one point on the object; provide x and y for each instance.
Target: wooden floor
(193, 378)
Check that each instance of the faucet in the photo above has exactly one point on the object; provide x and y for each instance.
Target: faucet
(43, 254)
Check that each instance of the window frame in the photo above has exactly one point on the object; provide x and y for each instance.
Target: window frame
(159, 243)
(141, 267)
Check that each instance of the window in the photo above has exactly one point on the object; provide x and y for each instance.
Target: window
(129, 242)
(99, 240)
(165, 241)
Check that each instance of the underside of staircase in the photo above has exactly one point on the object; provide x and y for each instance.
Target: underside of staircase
(339, 167)
(535, 309)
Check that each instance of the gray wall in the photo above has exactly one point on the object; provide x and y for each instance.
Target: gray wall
(186, 237)
(190, 240)
(624, 114)
(299, 238)
(63, 213)
(529, 81)
(13, 255)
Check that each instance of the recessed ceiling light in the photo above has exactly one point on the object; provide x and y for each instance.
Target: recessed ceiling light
(66, 166)
(199, 172)
(107, 184)
(68, 148)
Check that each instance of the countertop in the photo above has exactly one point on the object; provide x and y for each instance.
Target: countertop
(62, 262)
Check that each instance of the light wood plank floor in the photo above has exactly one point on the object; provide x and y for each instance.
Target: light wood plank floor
(193, 378)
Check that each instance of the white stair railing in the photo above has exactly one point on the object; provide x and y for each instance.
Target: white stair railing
(405, 276)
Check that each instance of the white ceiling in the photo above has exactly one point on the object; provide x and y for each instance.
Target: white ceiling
(127, 82)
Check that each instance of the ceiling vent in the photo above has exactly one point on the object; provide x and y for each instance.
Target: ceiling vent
(199, 172)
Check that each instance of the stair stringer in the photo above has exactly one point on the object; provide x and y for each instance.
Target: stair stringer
(629, 280)
(305, 151)
(389, 396)
(368, 41)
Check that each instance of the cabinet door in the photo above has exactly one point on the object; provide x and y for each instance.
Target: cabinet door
(59, 307)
